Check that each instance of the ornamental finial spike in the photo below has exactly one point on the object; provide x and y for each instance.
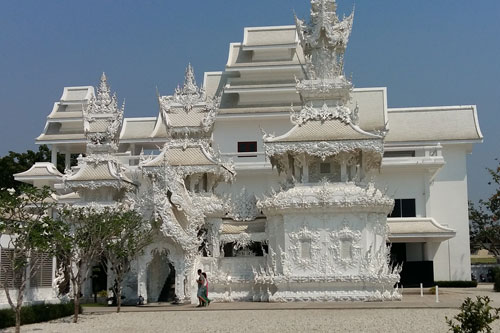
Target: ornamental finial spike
(104, 92)
(324, 40)
(190, 86)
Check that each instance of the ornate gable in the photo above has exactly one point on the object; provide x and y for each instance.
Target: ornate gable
(189, 111)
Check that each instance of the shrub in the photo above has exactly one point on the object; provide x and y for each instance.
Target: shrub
(7, 318)
(496, 279)
(36, 314)
(474, 317)
(456, 284)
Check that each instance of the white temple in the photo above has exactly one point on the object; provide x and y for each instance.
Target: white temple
(277, 177)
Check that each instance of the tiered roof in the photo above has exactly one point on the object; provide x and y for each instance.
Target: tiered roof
(187, 120)
(65, 123)
(41, 173)
(327, 115)
(188, 112)
(95, 172)
(102, 126)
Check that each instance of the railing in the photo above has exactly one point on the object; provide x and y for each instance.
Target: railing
(427, 156)
(250, 160)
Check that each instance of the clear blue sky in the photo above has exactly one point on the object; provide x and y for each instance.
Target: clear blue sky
(426, 52)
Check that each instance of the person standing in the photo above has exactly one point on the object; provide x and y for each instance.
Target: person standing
(201, 283)
(205, 298)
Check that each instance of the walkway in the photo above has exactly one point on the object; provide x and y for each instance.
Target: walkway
(449, 298)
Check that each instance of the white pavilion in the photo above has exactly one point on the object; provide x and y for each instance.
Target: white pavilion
(277, 177)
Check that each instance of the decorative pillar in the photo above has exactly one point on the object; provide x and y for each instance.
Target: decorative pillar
(305, 174)
(343, 171)
(353, 173)
(363, 166)
(214, 235)
(54, 155)
(67, 161)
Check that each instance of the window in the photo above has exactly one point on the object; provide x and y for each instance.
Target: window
(346, 249)
(400, 153)
(404, 208)
(305, 248)
(325, 168)
(254, 249)
(43, 274)
(6, 272)
(247, 147)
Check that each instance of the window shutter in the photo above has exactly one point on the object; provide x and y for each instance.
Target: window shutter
(43, 275)
(6, 271)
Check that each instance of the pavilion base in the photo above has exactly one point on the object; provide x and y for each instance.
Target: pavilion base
(321, 291)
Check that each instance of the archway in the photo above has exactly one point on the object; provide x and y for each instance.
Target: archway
(160, 279)
(167, 293)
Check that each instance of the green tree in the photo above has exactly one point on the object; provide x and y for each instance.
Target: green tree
(484, 219)
(88, 230)
(13, 163)
(130, 235)
(474, 317)
(27, 224)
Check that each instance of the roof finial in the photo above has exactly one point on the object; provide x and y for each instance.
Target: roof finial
(189, 80)
(324, 40)
(104, 92)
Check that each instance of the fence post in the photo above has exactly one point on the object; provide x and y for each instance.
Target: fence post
(437, 294)
(421, 290)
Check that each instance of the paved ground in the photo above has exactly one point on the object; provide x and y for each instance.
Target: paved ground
(413, 314)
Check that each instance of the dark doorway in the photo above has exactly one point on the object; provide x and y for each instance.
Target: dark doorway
(398, 253)
(167, 293)
(413, 272)
(99, 280)
(416, 272)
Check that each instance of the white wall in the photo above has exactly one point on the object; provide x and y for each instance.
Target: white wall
(449, 206)
(404, 183)
(228, 131)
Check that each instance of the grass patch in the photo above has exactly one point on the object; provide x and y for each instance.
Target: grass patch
(483, 260)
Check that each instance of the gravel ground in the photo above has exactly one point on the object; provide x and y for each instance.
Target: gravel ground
(352, 320)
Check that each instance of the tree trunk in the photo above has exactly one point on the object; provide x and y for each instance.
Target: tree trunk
(18, 319)
(20, 298)
(76, 298)
(77, 308)
(118, 298)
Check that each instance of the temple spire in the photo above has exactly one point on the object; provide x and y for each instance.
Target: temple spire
(103, 119)
(324, 40)
(189, 81)
(104, 91)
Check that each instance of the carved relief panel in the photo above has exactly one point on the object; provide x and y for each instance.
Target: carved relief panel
(304, 249)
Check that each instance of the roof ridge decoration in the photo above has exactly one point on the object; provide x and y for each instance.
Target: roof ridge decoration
(324, 40)
(204, 145)
(103, 119)
(324, 113)
(191, 101)
(190, 87)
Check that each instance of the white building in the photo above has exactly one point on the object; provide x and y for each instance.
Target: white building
(307, 219)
